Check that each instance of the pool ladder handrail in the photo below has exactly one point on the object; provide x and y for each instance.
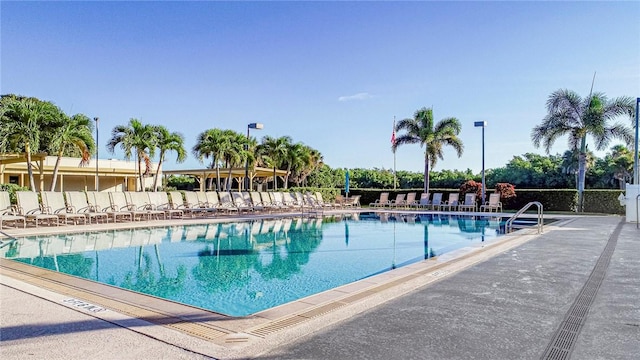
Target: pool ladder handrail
(540, 223)
(11, 240)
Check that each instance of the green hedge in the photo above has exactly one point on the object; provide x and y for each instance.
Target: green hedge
(595, 201)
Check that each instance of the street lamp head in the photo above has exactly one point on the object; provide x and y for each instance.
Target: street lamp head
(257, 126)
(480, 124)
(96, 119)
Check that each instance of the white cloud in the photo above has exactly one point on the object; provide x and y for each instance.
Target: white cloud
(358, 96)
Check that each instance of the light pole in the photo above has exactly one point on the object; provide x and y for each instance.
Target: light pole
(97, 148)
(482, 124)
(257, 126)
(636, 175)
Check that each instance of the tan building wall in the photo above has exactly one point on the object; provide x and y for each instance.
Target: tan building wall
(114, 175)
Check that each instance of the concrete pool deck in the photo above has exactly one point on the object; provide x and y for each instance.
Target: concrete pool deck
(504, 300)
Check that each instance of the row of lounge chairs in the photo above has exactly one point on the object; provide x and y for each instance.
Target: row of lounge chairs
(79, 207)
(409, 200)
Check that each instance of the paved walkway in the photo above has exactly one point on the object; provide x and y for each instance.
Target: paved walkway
(509, 307)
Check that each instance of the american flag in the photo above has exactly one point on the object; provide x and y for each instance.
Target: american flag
(393, 133)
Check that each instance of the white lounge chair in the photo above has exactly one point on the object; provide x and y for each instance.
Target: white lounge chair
(452, 203)
(382, 201)
(77, 200)
(7, 213)
(493, 203)
(469, 202)
(160, 201)
(53, 202)
(30, 208)
(101, 202)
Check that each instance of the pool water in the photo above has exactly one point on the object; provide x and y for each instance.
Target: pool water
(242, 268)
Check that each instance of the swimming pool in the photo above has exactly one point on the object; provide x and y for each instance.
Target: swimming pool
(242, 268)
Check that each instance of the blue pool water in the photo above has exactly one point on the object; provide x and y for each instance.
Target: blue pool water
(242, 268)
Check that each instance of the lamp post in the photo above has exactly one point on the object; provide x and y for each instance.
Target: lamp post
(482, 124)
(636, 175)
(257, 126)
(97, 148)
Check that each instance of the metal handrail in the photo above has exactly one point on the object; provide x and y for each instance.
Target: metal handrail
(5, 243)
(539, 225)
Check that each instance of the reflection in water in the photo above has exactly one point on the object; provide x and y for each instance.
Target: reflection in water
(242, 268)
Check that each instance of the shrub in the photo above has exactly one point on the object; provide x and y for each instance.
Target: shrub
(471, 186)
(507, 193)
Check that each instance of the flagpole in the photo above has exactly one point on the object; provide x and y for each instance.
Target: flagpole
(395, 179)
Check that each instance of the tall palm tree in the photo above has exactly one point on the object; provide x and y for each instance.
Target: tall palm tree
(135, 137)
(569, 114)
(235, 154)
(21, 119)
(212, 144)
(295, 158)
(273, 151)
(315, 162)
(422, 130)
(167, 141)
(74, 135)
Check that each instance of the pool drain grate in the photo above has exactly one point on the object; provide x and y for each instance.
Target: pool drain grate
(565, 337)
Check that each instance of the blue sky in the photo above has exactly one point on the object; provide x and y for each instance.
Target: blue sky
(329, 74)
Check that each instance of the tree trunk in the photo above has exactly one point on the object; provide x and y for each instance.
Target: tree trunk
(55, 171)
(32, 183)
(582, 169)
(229, 180)
(155, 180)
(217, 177)
(426, 173)
(275, 180)
(286, 177)
(140, 172)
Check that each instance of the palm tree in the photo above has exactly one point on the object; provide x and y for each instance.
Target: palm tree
(75, 134)
(273, 151)
(234, 154)
(135, 137)
(295, 158)
(212, 144)
(167, 141)
(620, 161)
(21, 119)
(569, 114)
(422, 130)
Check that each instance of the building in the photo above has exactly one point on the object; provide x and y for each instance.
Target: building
(113, 175)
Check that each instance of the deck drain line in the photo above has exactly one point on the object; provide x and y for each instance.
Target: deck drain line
(564, 339)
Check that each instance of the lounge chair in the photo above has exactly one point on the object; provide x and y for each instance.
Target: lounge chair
(30, 208)
(160, 201)
(101, 202)
(352, 201)
(269, 202)
(493, 203)
(398, 202)
(382, 201)
(227, 203)
(411, 200)
(140, 201)
(452, 203)
(256, 202)
(77, 200)
(424, 201)
(239, 203)
(8, 213)
(321, 201)
(436, 201)
(469, 203)
(53, 202)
